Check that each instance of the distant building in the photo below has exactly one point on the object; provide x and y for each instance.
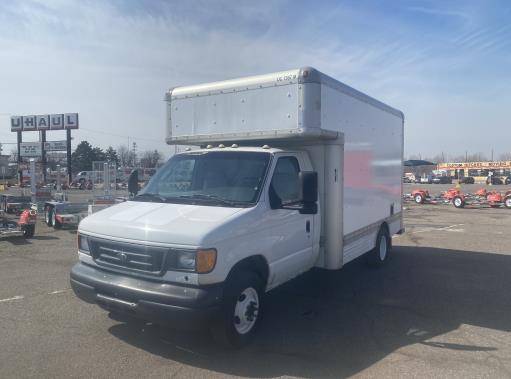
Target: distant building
(4, 166)
(478, 170)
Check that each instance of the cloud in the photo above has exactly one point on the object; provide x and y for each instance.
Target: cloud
(112, 61)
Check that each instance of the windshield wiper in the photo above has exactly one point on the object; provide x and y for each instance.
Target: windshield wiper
(201, 196)
(151, 197)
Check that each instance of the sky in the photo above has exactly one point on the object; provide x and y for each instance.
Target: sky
(446, 65)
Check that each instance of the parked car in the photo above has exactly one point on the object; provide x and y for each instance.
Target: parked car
(425, 179)
(467, 180)
(441, 180)
(495, 180)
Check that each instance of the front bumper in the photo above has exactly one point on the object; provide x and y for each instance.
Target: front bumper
(162, 303)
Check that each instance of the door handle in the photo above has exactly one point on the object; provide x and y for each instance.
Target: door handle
(308, 226)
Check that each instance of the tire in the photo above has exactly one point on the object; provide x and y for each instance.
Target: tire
(458, 202)
(379, 255)
(236, 324)
(56, 224)
(507, 202)
(48, 216)
(28, 231)
(419, 199)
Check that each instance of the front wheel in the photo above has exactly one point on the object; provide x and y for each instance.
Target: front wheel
(458, 202)
(28, 231)
(419, 199)
(238, 319)
(507, 202)
(378, 256)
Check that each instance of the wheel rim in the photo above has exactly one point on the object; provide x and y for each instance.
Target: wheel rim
(508, 202)
(246, 311)
(418, 199)
(457, 202)
(383, 248)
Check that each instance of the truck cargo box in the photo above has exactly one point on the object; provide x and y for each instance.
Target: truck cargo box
(303, 105)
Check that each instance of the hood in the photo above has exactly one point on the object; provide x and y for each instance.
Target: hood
(179, 224)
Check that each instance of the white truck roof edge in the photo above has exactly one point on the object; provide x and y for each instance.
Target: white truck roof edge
(304, 74)
(251, 138)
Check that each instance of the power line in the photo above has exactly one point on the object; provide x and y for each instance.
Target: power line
(120, 135)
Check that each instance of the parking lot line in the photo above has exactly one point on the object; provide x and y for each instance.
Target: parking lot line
(11, 299)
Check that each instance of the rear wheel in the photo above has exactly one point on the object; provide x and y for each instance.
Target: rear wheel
(419, 199)
(378, 256)
(48, 216)
(458, 202)
(238, 319)
(56, 223)
(507, 202)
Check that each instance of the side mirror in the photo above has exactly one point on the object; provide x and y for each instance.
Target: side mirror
(133, 184)
(308, 192)
(308, 186)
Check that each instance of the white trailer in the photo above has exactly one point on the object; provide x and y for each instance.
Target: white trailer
(295, 170)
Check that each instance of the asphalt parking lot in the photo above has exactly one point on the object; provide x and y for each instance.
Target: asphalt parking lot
(440, 308)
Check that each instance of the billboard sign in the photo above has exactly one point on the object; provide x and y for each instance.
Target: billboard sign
(55, 146)
(45, 122)
(30, 149)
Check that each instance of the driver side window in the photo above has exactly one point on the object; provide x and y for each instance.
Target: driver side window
(285, 182)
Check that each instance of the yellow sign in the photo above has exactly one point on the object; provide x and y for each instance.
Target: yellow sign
(475, 165)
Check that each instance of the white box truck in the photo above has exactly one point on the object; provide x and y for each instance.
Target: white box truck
(295, 170)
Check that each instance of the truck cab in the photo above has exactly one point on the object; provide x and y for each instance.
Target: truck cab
(208, 217)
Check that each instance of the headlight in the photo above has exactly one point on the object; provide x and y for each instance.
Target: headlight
(185, 260)
(201, 261)
(83, 244)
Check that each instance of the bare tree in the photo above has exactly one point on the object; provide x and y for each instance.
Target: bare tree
(476, 157)
(150, 158)
(505, 157)
(14, 155)
(126, 156)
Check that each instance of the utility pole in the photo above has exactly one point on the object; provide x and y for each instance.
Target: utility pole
(134, 153)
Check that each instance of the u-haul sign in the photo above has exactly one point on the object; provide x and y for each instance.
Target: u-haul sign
(44, 122)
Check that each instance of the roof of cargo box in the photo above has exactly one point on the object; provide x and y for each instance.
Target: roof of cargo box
(296, 76)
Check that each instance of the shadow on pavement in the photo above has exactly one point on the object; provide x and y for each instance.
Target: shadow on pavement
(44, 238)
(336, 324)
(17, 241)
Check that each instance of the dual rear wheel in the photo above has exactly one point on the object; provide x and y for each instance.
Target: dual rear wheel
(379, 255)
(50, 218)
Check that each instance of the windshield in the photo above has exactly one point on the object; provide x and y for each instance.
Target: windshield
(218, 178)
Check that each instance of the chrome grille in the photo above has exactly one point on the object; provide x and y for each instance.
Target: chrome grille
(147, 259)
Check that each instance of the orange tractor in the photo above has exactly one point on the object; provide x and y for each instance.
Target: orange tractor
(24, 226)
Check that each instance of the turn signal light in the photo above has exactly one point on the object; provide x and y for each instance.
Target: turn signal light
(206, 260)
